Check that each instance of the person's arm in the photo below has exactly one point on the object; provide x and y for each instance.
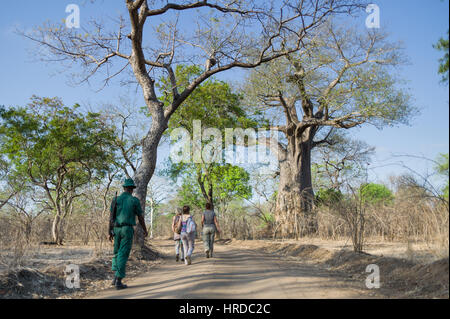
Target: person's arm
(217, 224)
(140, 215)
(112, 217)
(203, 220)
(142, 223)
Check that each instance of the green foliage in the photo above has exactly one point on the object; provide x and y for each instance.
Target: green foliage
(327, 196)
(54, 146)
(268, 219)
(213, 102)
(189, 194)
(216, 105)
(375, 194)
(442, 169)
(229, 183)
(442, 45)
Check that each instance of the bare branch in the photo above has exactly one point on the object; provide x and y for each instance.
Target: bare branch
(199, 4)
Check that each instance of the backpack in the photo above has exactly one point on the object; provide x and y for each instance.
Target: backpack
(191, 226)
(179, 225)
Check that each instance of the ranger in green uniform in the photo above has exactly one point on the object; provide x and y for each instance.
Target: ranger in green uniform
(122, 231)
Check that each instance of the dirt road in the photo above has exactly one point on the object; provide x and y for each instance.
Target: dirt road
(237, 273)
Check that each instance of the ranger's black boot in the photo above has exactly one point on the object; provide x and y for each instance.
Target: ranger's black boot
(114, 281)
(120, 285)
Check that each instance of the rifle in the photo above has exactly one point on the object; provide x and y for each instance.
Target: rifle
(112, 217)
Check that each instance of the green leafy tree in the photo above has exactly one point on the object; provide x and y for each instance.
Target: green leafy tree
(228, 183)
(213, 102)
(218, 107)
(58, 149)
(375, 194)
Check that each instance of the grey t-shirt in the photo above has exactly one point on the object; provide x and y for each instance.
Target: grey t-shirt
(209, 217)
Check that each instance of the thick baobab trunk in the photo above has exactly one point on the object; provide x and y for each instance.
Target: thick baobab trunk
(295, 196)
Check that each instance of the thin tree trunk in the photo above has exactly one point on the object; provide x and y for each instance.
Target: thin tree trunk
(208, 196)
(56, 231)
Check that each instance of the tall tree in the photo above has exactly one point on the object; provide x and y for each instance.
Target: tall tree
(215, 106)
(228, 34)
(58, 149)
(341, 79)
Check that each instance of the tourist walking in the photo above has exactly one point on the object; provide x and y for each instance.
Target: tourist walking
(188, 229)
(176, 236)
(210, 225)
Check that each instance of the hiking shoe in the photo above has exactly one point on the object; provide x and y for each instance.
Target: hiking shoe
(188, 259)
(207, 253)
(120, 285)
(177, 258)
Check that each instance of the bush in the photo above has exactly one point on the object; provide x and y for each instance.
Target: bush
(328, 196)
(376, 194)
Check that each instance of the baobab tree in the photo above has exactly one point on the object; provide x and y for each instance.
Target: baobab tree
(219, 35)
(342, 78)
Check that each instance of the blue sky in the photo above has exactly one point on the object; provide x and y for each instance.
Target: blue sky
(418, 24)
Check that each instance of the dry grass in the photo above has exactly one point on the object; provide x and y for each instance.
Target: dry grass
(423, 222)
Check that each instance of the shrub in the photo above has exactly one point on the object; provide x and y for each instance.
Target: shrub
(328, 196)
(375, 194)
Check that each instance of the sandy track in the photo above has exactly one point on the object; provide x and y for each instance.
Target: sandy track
(237, 273)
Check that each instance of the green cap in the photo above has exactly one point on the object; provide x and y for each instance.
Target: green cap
(129, 183)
